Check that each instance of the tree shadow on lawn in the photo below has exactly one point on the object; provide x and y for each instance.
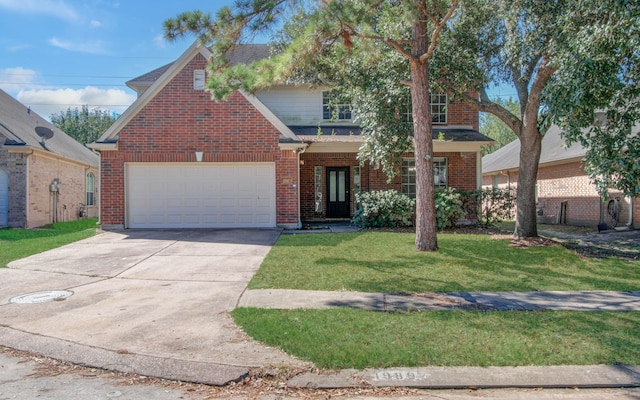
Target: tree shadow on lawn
(454, 269)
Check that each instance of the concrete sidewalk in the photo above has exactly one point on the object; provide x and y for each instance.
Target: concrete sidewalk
(595, 300)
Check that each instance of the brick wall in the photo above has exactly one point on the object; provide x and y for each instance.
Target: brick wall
(459, 113)
(43, 208)
(15, 165)
(461, 174)
(567, 183)
(31, 204)
(179, 121)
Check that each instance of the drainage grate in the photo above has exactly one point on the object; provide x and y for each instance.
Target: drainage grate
(41, 297)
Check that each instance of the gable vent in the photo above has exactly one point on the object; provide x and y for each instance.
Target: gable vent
(198, 79)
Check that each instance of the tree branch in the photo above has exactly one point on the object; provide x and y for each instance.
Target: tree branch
(532, 108)
(436, 32)
(484, 104)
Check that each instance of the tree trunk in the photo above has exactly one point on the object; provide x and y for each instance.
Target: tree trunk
(426, 230)
(530, 148)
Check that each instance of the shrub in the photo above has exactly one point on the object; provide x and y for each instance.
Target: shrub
(448, 208)
(383, 208)
(494, 204)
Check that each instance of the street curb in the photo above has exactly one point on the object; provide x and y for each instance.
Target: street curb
(593, 376)
(122, 361)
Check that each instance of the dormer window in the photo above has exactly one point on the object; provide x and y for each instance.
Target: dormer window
(334, 109)
(198, 79)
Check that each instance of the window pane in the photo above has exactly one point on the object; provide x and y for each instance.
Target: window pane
(341, 186)
(440, 172)
(438, 108)
(318, 189)
(89, 198)
(332, 185)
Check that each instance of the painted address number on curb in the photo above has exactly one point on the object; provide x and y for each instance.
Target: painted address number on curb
(399, 376)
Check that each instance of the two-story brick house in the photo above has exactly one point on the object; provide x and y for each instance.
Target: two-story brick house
(177, 159)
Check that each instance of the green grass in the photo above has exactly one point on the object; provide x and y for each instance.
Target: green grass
(20, 243)
(387, 262)
(348, 338)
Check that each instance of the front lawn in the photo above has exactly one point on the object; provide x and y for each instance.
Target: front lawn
(19, 243)
(387, 262)
(348, 338)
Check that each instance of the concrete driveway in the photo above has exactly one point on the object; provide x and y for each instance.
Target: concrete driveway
(150, 302)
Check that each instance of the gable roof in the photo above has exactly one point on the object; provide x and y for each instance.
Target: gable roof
(142, 82)
(554, 150)
(18, 125)
(243, 54)
(109, 139)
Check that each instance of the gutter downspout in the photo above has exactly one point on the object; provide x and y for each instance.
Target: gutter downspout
(298, 152)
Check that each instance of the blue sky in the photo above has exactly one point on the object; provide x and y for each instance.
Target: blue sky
(56, 54)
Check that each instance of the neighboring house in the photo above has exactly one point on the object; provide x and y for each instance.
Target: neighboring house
(45, 175)
(564, 192)
(177, 159)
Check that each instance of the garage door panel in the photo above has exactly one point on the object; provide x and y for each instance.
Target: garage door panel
(204, 195)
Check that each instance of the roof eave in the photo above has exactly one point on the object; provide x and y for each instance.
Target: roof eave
(103, 146)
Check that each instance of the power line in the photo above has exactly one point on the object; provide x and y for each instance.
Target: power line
(64, 76)
(64, 84)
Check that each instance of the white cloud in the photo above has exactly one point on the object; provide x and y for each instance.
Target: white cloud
(18, 47)
(50, 101)
(160, 42)
(97, 47)
(96, 24)
(59, 8)
(15, 79)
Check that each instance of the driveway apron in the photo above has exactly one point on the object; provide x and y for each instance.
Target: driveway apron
(163, 295)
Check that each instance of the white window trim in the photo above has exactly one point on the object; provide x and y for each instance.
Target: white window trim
(439, 108)
(337, 110)
(199, 79)
(441, 178)
(442, 105)
(93, 189)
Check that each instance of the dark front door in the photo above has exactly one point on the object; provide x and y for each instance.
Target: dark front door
(338, 192)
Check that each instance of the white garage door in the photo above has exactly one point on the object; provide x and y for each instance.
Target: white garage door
(4, 198)
(201, 195)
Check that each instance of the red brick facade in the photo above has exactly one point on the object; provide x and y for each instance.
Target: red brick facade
(461, 171)
(179, 121)
(460, 114)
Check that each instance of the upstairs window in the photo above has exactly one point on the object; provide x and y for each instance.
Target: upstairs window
(198, 79)
(438, 104)
(333, 108)
(438, 108)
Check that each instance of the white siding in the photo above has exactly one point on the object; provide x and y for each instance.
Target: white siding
(294, 105)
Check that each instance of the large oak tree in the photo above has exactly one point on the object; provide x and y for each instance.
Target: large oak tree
(566, 59)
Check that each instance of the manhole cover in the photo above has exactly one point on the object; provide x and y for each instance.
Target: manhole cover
(41, 297)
